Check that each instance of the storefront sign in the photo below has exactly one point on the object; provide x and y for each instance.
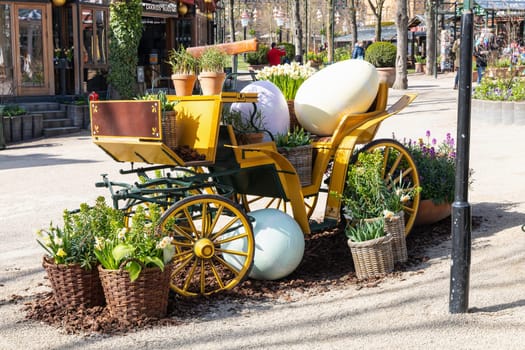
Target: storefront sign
(164, 7)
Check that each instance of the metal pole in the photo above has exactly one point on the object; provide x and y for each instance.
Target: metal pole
(461, 213)
(436, 65)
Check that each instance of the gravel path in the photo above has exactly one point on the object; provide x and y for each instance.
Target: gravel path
(407, 310)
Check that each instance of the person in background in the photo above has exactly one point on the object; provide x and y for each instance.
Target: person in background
(481, 55)
(275, 54)
(456, 50)
(359, 51)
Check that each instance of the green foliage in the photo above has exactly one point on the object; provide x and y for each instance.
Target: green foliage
(290, 50)
(381, 54)
(259, 57)
(74, 242)
(501, 89)
(12, 110)
(165, 104)
(366, 230)
(125, 31)
(213, 60)
(420, 59)
(295, 138)
(137, 247)
(181, 61)
(436, 165)
(342, 54)
(365, 192)
(319, 57)
(241, 123)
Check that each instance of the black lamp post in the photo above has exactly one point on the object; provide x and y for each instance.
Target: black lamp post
(245, 19)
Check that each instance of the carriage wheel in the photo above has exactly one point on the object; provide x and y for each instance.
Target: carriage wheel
(251, 203)
(214, 244)
(396, 160)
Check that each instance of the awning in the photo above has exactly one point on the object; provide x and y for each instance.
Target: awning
(369, 33)
(501, 5)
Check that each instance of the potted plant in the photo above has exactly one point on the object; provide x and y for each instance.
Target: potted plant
(420, 64)
(296, 146)
(436, 166)
(71, 262)
(397, 197)
(135, 266)
(169, 117)
(183, 66)
(371, 248)
(382, 55)
(212, 75)
(248, 129)
(365, 192)
(288, 78)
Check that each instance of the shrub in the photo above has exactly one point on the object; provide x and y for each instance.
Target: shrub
(381, 54)
(258, 57)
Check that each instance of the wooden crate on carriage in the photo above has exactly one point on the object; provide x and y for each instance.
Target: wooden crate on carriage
(133, 131)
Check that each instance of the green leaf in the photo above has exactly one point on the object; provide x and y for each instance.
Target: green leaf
(122, 250)
(154, 260)
(134, 270)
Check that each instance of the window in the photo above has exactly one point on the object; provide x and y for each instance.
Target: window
(94, 36)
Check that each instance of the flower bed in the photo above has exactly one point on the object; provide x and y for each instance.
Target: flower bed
(500, 101)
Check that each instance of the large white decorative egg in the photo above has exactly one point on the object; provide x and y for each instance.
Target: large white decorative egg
(271, 103)
(279, 245)
(344, 87)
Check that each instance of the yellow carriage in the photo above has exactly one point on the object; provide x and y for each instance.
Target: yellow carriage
(207, 198)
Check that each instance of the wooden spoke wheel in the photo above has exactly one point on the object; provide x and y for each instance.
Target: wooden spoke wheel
(397, 162)
(251, 203)
(214, 244)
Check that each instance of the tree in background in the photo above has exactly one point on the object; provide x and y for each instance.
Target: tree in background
(125, 31)
(377, 9)
(402, 45)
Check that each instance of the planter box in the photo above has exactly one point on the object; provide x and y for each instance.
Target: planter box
(79, 115)
(23, 127)
(499, 112)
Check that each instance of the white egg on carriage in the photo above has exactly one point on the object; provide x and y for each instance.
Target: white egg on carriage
(348, 86)
(271, 103)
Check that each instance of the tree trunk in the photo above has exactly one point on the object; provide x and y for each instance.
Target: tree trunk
(353, 21)
(377, 10)
(298, 28)
(430, 15)
(401, 82)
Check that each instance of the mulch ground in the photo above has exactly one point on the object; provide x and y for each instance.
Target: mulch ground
(326, 265)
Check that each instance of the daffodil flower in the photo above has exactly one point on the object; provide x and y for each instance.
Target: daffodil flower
(61, 253)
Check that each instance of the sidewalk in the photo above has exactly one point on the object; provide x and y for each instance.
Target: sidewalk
(43, 177)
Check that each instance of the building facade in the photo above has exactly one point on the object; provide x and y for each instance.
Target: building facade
(60, 47)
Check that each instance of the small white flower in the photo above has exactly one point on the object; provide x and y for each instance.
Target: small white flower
(47, 240)
(405, 198)
(388, 214)
(164, 242)
(122, 233)
(58, 241)
(99, 243)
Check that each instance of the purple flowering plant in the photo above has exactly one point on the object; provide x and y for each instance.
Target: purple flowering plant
(436, 164)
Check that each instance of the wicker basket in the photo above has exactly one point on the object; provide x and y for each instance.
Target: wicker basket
(73, 286)
(147, 296)
(372, 258)
(169, 129)
(301, 159)
(395, 226)
(293, 118)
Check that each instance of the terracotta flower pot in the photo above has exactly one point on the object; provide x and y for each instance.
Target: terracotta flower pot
(211, 82)
(183, 84)
(429, 213)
